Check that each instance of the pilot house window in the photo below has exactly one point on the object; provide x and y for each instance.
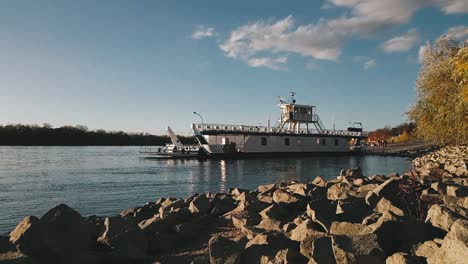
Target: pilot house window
(337, 142)
(286, 141)
(264, 141)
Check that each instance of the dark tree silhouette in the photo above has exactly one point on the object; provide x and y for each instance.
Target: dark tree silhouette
(46, 135)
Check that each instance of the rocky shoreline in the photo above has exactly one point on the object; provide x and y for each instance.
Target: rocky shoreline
(418, 217)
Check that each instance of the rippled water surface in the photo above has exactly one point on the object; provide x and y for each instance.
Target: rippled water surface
(106, 180)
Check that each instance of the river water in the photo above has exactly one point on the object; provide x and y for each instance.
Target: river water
(106, 180)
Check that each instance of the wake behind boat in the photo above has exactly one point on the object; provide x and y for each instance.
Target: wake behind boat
(171, 151)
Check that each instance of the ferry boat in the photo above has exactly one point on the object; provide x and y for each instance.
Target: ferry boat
(171, 151)
(299, 131)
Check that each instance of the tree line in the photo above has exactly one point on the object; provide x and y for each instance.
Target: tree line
(403, 131)
(46, 135)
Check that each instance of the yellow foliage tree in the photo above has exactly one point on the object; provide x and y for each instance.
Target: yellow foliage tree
(441, 109)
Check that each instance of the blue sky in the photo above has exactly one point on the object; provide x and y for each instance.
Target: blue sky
(138, 66)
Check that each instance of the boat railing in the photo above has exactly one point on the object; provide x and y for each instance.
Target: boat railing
(265, 129)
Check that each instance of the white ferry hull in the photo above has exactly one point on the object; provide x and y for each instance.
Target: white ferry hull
(272, 145)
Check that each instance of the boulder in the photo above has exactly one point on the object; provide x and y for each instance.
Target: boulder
(282, 196)
(387, 189)
(27, 237)
(318, 245)
(319, 181)
(224, 250)
(304, 229)
(371, 219)
(439, 187)
(402, 258)
(237, 191)
(245, 197)
(223, 205)
(338, 191)
(457, 191)
(126, 240)
(321, 213)
(352, 210)
(266, 188)
(6, 245)
(358, 182)
(343, 249)
(441, 217)
(285, 256)
(345, 228)
(454, 248)
(289, 227)
(274, 211)
(426, 249)
(242, 219)
(269, 225)
(385, 205)
(171, 204)
(200, 204)
(13, 257)
(266, 246)
(64, 230)
(366, 248)
(299, 188)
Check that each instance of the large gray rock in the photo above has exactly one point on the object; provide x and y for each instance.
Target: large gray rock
(322, 213)
(385, 205)
(457, 190)
(304, 229)
(200, 204)
(27, 236)
(441, 217)
(345, 228)
(338, 191)
(343, 249)
(64, 230)
(223, 250)
(426, 249)
(282, 196)
(402, 258)
(454, 248)
(126, 240)
(317, 246)
(284, 256)
(274, 211)
(265, 246)
(6, 245)
(222, 205)
(352, 210)
(270, 224)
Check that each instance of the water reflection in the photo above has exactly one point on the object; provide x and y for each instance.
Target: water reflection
(222, 165)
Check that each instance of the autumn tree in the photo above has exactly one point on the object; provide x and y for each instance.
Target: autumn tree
(441, 109)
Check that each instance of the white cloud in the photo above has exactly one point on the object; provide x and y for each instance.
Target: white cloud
(453, 6)
(422, 50)
(458, 32)
(324, 39)
(369, 64)
(370, 17)
(401, 43)
(315, 41)
(272, 63)
(201, 32)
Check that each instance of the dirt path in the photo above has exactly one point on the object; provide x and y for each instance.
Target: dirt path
(409, 148)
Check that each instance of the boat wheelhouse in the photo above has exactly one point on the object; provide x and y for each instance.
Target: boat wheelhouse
(299, 131)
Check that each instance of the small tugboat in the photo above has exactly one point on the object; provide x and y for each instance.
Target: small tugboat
(171, 151)
(299, 131)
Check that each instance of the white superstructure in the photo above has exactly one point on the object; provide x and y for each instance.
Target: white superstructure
(298, 131)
